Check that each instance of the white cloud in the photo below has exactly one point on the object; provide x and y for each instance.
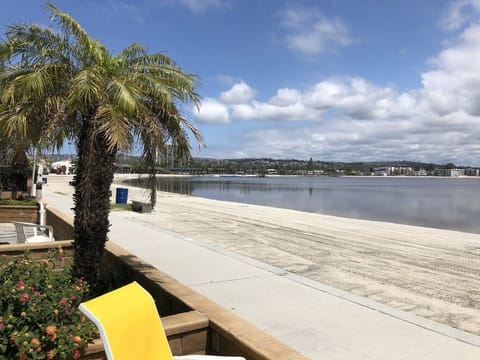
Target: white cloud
(265, 111)
(455, 82)
(310, 32)
(199, 6)
(122, 8)
(460, 12)
(286, 97)
(239, 93)
(351, 118)
(212, 112)
(226, 80)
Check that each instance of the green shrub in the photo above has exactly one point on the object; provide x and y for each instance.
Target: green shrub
(39, 318)
(26, 202)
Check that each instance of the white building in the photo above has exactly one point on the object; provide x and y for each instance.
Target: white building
(64, 164)
(450, 172)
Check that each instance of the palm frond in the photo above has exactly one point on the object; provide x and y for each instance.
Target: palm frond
(86, 88)
(88, 51)
(14, 124)
(125, 96)
(115, 127)
(133, 53)
(32, 44)
(35, 83)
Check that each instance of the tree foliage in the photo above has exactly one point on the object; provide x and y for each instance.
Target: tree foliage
(59, 84)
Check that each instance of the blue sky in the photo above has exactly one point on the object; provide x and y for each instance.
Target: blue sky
(337, 80)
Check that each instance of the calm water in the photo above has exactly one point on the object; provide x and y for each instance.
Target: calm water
(433, 202)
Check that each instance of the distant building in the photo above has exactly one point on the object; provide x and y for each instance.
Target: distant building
(380, 171)
(472, 172)
(64, 167)
(421, 172)
(400, 171)
(450, 172)
(123, 169)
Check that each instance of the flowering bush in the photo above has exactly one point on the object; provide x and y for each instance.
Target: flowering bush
(39, 318)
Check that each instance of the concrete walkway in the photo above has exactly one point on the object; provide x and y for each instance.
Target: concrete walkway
(320, 321)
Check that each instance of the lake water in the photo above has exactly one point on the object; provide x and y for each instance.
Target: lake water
(445, 203)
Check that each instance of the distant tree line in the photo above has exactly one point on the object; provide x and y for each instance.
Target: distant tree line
(280, 166)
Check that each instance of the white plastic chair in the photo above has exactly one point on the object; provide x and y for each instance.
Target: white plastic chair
(28, 233)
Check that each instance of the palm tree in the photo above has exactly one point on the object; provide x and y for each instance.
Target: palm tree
(59, 85)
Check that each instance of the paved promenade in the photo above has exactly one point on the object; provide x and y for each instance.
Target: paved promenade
(320, 321)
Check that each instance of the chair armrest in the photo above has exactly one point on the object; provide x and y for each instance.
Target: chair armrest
(22, 235)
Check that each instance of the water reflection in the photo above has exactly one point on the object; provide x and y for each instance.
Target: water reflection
(433, 202)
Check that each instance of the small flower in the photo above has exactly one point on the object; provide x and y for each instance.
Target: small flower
(51, 331)
(24, 297)
(64, 302)
(50, 354)
(23, 314)
(21, 285)
(76, 354)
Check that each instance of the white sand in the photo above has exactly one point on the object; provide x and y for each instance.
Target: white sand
(430, 272)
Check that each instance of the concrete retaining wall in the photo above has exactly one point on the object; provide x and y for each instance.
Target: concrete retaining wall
(193, 323)
(62, 224)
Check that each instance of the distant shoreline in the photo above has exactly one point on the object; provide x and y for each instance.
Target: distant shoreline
(120, 176)
(429, 201)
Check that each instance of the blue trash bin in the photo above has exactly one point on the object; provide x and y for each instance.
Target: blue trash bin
(121, 196)
(44, 180)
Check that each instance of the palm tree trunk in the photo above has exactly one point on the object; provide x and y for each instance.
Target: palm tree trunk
(18, 173)
(153, 181)
(91, 199)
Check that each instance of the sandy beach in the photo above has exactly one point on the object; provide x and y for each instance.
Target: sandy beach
(432, 273)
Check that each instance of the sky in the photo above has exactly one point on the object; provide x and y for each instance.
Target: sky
(332, 80)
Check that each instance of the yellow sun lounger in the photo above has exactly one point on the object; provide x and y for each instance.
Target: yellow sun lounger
(130, 326)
